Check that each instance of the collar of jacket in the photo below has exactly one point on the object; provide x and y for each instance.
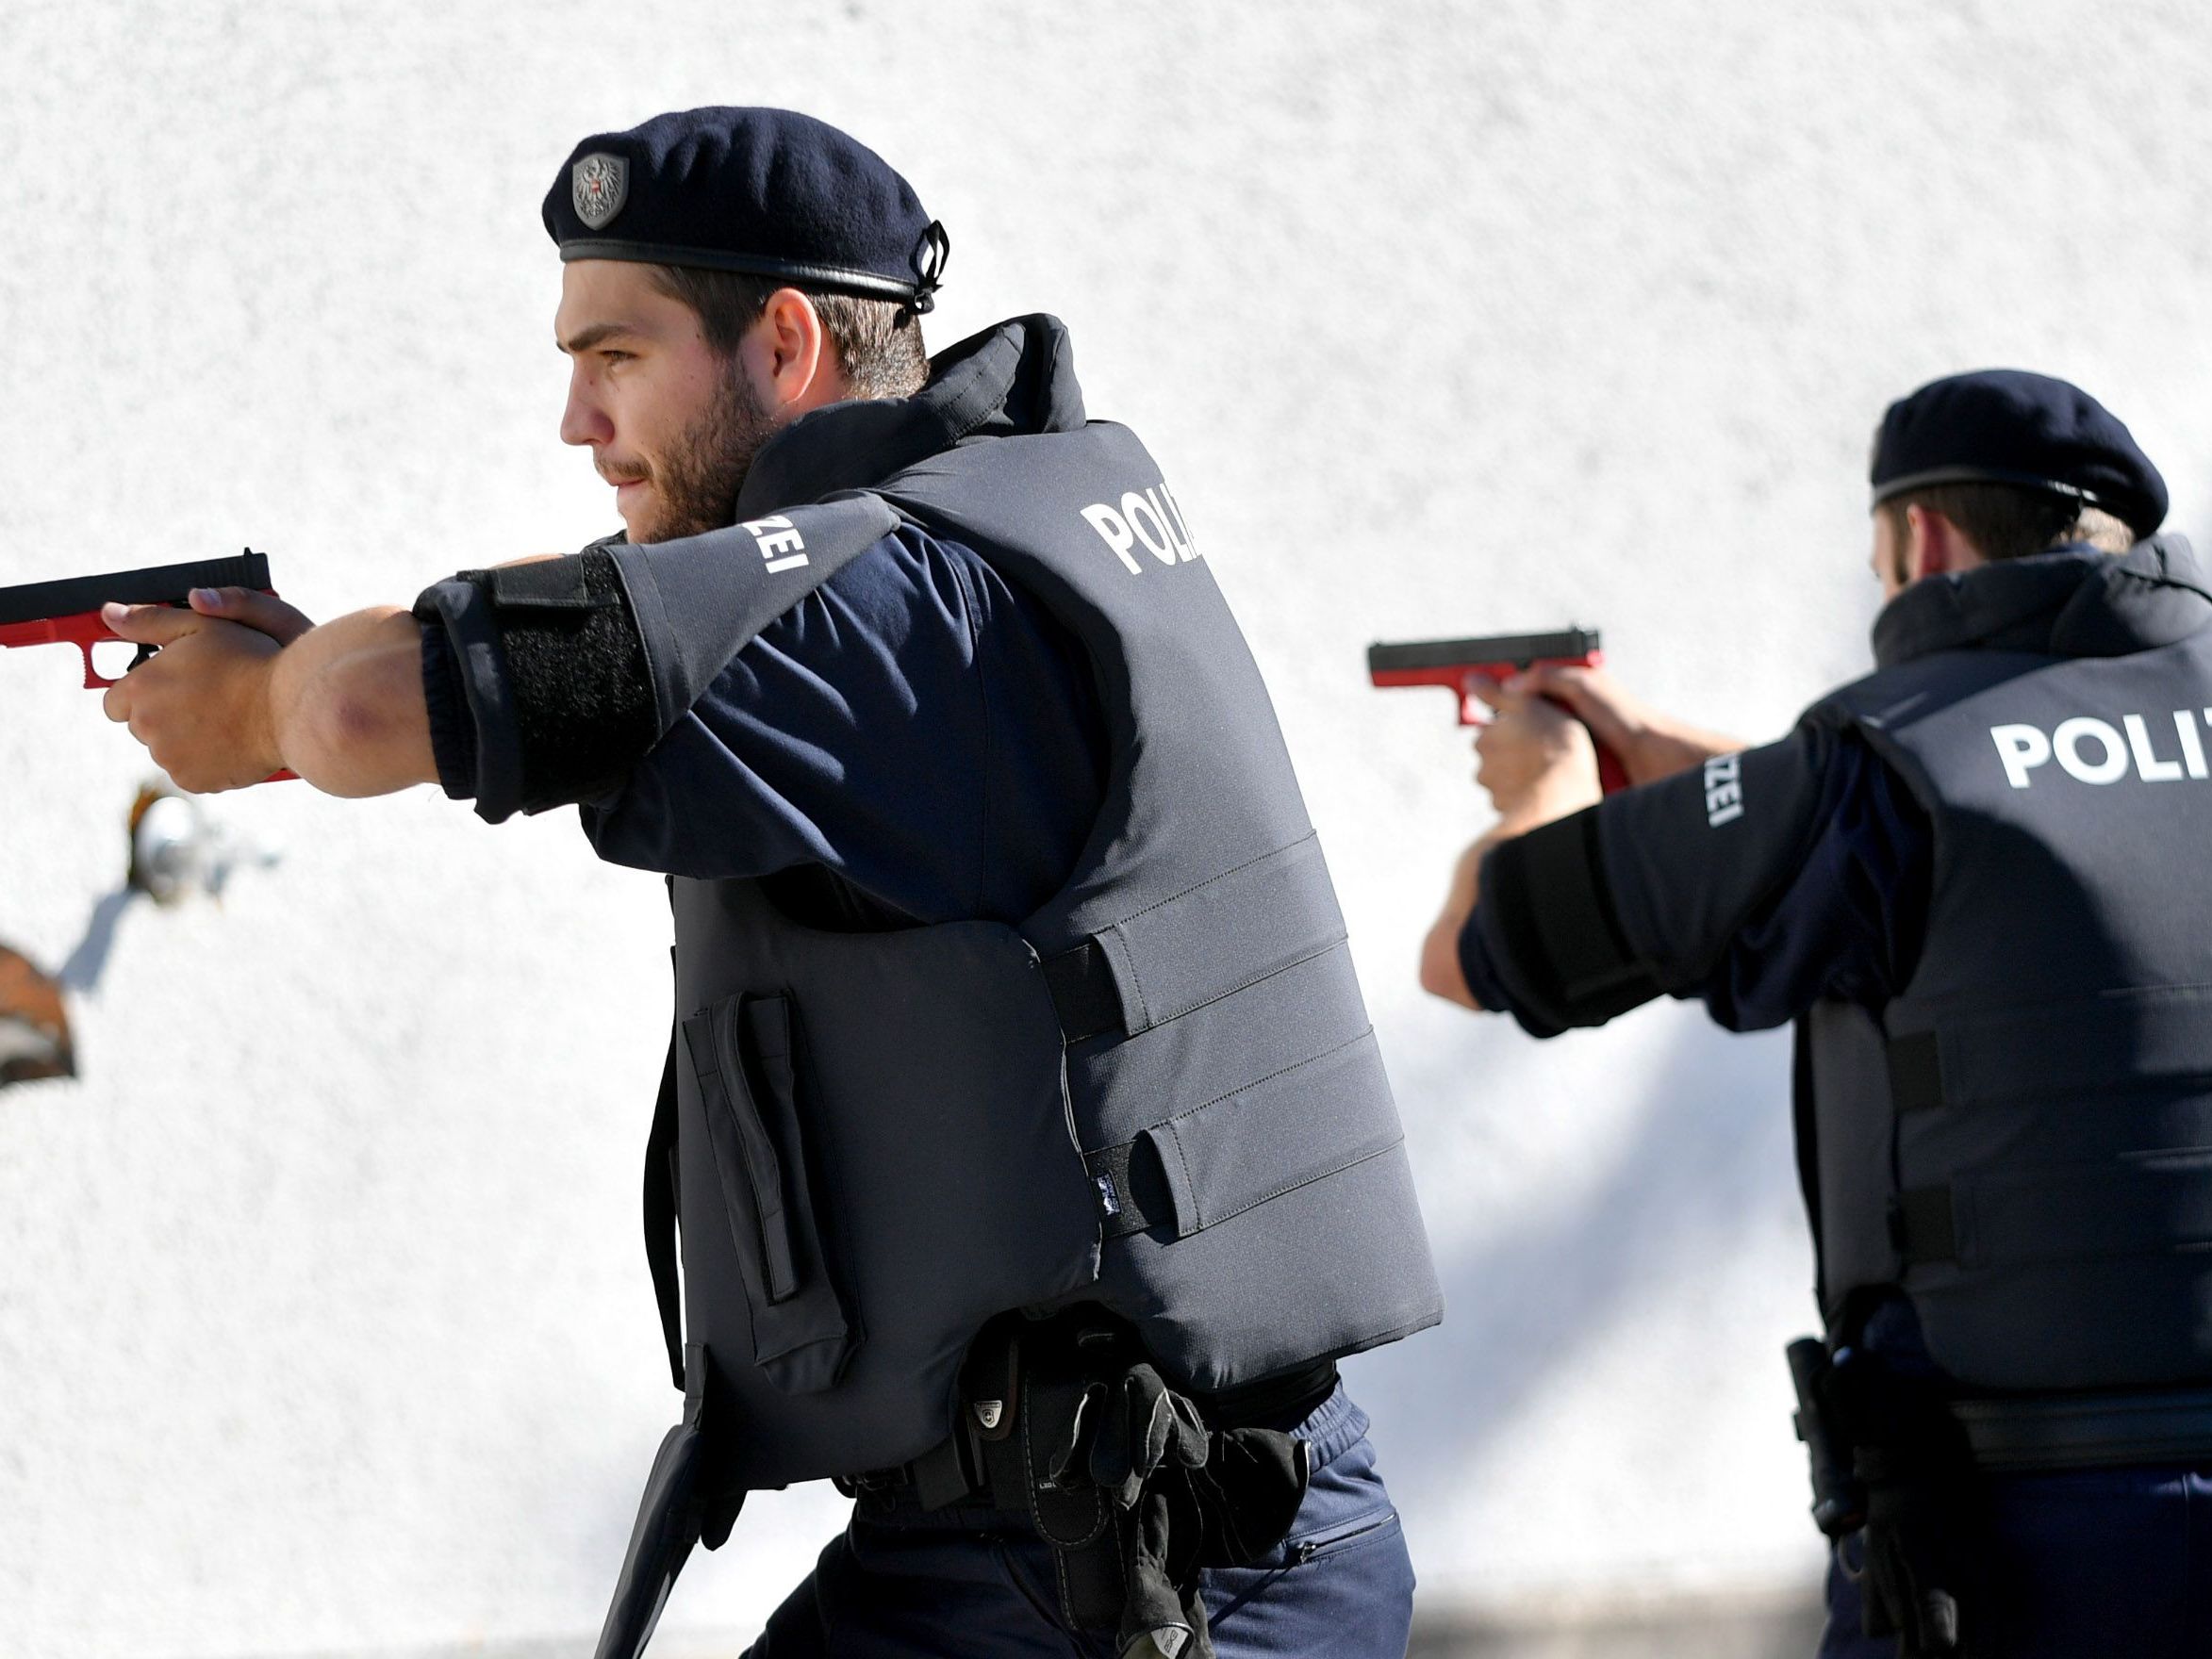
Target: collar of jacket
(1018, 377)
(2071, 601)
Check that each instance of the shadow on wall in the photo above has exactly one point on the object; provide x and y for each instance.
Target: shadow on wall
(89, 960)
(1673, 1197)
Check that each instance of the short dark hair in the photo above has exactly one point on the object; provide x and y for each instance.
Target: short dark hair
(2006, 523)
(878, 342)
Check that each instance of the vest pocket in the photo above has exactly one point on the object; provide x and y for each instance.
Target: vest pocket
(743, 1050)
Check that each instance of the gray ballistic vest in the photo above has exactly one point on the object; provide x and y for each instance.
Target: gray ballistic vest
(2023, 1139)
(1160, 1093)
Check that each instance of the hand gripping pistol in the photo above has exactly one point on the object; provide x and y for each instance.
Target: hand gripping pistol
(1457, 665)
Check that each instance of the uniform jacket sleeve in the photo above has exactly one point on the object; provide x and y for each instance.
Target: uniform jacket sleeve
(916, 726)
(913, 725)
(1759, 883)
(567, 670)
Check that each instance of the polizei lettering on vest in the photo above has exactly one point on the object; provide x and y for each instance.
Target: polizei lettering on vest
(2097, 751)
(780, 544)
(1151, 516)
(1724, 790)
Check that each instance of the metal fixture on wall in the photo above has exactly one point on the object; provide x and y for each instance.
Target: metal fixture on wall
(178, 848)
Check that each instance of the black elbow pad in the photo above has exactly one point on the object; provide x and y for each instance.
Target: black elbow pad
(553, 668)
(1553, 927)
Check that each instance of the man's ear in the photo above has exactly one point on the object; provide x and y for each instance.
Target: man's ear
(1932, 544)
(790, 358)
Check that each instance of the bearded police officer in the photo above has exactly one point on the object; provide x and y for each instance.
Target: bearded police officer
(1031, 1150)
(1971, 878)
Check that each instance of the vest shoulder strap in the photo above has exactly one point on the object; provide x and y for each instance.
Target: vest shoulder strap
(700, 599)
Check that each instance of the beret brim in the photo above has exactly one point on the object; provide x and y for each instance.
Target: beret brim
(1939, 475)
(826, 277)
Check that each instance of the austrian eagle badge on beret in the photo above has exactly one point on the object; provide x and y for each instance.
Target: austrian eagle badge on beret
(600, 182)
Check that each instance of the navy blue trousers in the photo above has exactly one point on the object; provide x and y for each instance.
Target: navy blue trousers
(2090, 1562)
(983, 1587)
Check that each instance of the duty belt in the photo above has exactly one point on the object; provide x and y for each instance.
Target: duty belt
(2027, 1432)
(1068, 1429)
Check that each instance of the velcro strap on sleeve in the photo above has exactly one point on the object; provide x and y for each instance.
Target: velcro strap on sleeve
(1555, 922)
(553, 670)
(545, 584)
(461, 610)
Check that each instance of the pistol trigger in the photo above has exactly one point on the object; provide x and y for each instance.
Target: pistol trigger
(144, 654)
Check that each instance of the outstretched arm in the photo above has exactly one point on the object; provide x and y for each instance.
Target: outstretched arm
(244, 686)
(1759, 883)
(346, 705)
(1651, 743)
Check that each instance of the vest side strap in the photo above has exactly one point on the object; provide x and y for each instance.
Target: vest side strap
(2147, 1205)
(1266, 916)
(1134, 1196)
(1923, 1225)
(1992, 1055)
(1184, 1174)
(1081, 983)
(1916, 1072)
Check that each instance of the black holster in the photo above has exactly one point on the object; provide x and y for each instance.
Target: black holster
(1891, 1461)
(1839, 1502)
(1125, 1480)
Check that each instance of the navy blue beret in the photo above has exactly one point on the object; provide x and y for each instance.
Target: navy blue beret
(764, 192)
(2008, 426)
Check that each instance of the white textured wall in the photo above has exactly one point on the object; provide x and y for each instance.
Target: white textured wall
(324, 1325)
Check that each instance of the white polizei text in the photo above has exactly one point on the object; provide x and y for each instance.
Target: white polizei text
(1724, 790)
(2096, 751)
(1151, 516)
(780, 542)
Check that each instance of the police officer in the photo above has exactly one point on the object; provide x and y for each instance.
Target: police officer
(1031, 1151)
(1972, 880)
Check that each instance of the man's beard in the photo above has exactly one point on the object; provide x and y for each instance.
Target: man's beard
(695, 485)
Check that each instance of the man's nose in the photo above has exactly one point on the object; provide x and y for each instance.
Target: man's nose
(583, 421)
